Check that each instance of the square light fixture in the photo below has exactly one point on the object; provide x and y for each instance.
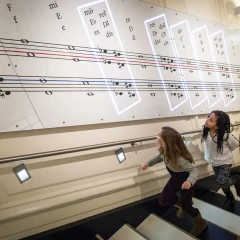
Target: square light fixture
(21, 173)
(120, 155)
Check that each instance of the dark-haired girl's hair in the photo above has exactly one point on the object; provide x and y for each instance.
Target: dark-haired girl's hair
(224, 127)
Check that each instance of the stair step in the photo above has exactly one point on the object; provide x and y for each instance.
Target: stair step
(212, 232)
(217, 199)
(156, 228)
(126, 232)
(224, 219)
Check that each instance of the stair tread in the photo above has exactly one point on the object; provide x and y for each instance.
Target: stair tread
(126, 233)
(156, 228)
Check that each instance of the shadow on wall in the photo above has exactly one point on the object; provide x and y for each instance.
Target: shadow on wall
(195, 146)
(147, 182)
(230, 5)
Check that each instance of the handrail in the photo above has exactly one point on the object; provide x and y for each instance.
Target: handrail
(84, 148)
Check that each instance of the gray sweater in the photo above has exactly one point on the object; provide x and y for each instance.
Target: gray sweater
(183, 166)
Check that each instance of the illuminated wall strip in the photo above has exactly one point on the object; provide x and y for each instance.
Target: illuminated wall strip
(221, 31)
(200, 76)
(214, 63)
(99, 63)
(160, 73)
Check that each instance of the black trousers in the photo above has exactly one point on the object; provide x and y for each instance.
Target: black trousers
(168, 197)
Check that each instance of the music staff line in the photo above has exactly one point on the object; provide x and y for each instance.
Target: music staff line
(43, 84)
(168, 63)
(86, 81)
(161, 60)
(109, 51)
(121, 63)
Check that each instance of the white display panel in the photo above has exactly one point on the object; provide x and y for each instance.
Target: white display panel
(82, 62)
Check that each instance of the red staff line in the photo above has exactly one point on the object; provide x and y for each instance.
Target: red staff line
(119, 60)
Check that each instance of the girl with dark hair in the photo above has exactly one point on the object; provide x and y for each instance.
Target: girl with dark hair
(179, 163)
(219, 144)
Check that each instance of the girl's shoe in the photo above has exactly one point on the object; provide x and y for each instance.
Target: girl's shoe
(199, 225)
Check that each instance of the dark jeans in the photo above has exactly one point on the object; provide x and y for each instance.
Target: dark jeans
(168, 197)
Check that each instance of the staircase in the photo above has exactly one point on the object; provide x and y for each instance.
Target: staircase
(148, 220)
(222, 225)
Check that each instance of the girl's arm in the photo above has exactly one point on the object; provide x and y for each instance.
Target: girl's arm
(233, 142)
(152, 162)
(189, 167)
(155, 160)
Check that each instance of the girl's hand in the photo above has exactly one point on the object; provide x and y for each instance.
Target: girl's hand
(186, 185)
(144, 166)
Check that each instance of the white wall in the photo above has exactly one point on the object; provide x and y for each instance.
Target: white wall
(71, 187)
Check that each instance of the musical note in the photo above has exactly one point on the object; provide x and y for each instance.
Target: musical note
(90, 94)
(120, 65)
(2, 95)
(71, 47)
(48, 92)
(177, 87)
(131, 94)
(116, 54)
(115, 83)
(120, 93)
(143, 66)
(30, 54)
(106, 62)
(76, 59)
(128, 85)
(170, 68)
(101, 50)
(42, 80)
